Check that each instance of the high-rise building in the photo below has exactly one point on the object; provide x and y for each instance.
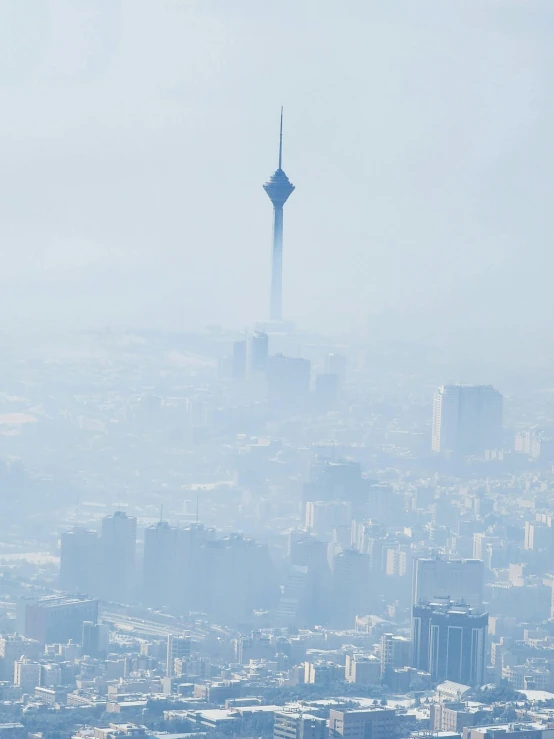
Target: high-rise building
(118, 551)
(294, 602)
(26, 675)
(298, 725)
(54, 619)
(238, 577)
(307, 552)
(395, 653)
(14, 647)
(377, 723)
(78, 561)
(178, 647)
(257, 350)
(350, 594)
(460, 580)
(288, 383)
(396, 560)
(467, 419)
(95, 640)
(449, 641)
(278, 188)
(159, 565)
(190, 563)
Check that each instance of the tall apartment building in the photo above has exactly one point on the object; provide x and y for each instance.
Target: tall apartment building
(377, 723)
(189, 579)
(238, 576)
(298, 725)
(26, 675)
(456, 579)
(159, 565)
(395, 652)
(257, 347)
(449, 641)
(78, 561)
(117, 557)
(350, 591)
(396, 560)
(178, 647)
(288, 383)
(95, 640)
(14, 647)
(467, 419)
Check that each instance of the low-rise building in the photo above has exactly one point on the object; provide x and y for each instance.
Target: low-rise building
(291, 724)
(377, 723)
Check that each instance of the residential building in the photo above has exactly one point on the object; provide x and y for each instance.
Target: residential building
(117, 558)
(78, 561)
(26, 675)
(395, 652)
(467, 419)
(178, 647)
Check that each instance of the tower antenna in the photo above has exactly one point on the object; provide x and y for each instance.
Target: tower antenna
(281, 140)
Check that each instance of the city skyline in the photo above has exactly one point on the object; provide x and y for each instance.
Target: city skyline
(243, 492)
(110, 199)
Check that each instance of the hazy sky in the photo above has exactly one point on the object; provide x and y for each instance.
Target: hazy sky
(135, 136)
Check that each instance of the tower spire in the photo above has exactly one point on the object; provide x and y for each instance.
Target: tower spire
(281, 140)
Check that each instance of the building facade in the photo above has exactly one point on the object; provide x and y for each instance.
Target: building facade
(449, 641)
(467, 419)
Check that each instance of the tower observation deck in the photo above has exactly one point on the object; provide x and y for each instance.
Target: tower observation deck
(278, 189)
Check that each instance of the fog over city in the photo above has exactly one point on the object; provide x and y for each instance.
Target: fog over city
(134, 137)
(276, 387)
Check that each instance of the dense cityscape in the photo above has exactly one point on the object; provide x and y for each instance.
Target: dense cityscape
(319, 549)
(270, 530)
(274, 534)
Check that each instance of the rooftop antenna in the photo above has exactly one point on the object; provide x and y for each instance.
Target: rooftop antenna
(281, 140)
(197, 504)
(161, 512)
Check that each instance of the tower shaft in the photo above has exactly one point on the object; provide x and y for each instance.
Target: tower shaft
(278, 189)
(276, 306)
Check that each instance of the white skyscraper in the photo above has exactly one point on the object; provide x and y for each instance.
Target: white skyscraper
(467, 419)
(456, 580)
